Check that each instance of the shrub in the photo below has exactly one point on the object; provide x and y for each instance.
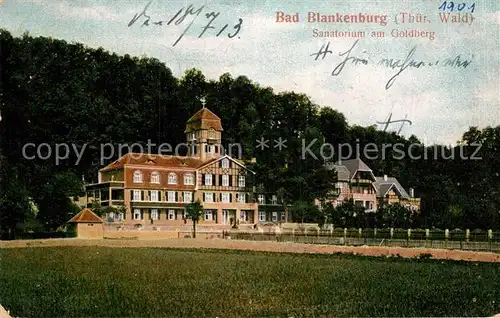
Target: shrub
(425, 256)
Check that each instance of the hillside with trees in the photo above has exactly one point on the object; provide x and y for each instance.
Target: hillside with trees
(55, 92)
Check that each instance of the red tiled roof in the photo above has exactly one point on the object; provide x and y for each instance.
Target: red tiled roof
(203, 119)
(85, 216)
(156, 160)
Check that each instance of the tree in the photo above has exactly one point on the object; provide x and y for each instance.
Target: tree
(305, 211)
(193, 212)
(15, 205)
(347, 214)
(395, 216)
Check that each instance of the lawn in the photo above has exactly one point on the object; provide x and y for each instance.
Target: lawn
(103, 281)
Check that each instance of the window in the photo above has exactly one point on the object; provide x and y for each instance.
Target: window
(225, 163)
(208, 179)
(241, 181)
(261, 199)
(209, 197)
(137, 214)
(225, 180)
(137, 195)
(154, 214)
(244, 216)
(155, 177)
(208, 215)
(193, 136)
(188, 197)
(171, 196)
(153, 196)
(189, 179)
(262, 216)
(211, 133)
(283, 216)
(137, 177)
(172, 178)
(274, 199)
(171, 214)
(225, 197)
(209, 148)
(275, 216)
(242, 197)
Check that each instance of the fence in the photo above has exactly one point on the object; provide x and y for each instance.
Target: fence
(476, 240)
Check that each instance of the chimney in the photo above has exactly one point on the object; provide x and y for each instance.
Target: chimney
(385, 177)
(412, 193)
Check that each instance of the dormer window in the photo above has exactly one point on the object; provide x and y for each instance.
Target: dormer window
(188, 179)
(155, 177)
(137, 177)
(225, 163)
(172, 178)
(211, 133)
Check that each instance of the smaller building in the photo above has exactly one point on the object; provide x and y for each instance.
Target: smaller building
(356, 181)
(88, 225)
(390, 191)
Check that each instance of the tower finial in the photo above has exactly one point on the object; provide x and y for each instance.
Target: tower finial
(203, 101)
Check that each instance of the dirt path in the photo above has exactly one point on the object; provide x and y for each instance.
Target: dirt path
(266, 246)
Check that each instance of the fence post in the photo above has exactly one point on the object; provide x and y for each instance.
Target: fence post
(490, 238)
(446, 236)
(467, 235)
(427, 236)
(408, 238)
(345, 236)
(392, 232)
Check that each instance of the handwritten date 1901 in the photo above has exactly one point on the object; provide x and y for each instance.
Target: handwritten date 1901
(181, 15)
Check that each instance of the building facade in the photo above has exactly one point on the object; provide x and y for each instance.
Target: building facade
(356, 181)
(155, 189)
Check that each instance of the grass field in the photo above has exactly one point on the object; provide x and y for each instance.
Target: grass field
(103, 281)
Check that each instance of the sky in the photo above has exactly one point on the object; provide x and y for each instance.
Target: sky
(442, 102)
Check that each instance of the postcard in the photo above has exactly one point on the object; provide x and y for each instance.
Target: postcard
(249, 158)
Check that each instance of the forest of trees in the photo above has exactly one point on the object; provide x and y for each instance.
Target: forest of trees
(55, 92)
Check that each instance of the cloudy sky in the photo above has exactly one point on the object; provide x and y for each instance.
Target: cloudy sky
(441, 101)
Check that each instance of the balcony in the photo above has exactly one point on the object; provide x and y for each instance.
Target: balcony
(361, 181)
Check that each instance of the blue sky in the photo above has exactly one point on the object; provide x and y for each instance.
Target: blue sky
(442, 102)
